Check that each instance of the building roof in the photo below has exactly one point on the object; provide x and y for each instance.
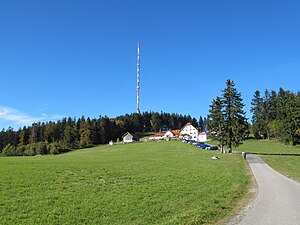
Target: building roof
(127, 133)
(176, 132)
(190, 124)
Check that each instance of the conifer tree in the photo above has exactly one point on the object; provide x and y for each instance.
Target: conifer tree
(235, 121)
(155, 122)
(257, 117)
(24, 136)
(216, 121)
(85, 132)
(296, 118)
(201, 124)
(206, 127)
(70, 137)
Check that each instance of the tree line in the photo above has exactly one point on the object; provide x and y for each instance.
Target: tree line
(71, 133)
(276, 115)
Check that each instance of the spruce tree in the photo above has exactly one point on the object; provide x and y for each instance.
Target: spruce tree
(235, 121)
(85, 132)
(216, 121)
(201, 123)
(70, 137)
(296, 118)
(257, 112)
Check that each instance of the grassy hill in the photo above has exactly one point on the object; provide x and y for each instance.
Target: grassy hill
(140, 183)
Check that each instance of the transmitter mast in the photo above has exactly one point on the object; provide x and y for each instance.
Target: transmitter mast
(138, 80)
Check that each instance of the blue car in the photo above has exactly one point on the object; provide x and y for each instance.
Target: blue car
(205, 146)
(202, 145)
(212, 147)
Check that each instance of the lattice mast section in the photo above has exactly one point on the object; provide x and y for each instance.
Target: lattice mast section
(138, 80)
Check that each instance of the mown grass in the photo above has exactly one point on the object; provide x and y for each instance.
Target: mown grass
(285, 159)
(141, 183)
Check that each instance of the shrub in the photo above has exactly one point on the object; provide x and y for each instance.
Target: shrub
(53, 149)
(20, 150)
(30, 150)
(41, 148)
(9, 150)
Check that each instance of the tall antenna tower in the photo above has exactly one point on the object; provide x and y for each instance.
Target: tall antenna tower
(138, 80)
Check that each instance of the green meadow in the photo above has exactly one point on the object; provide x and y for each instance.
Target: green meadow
(283, 158)
(139, 183)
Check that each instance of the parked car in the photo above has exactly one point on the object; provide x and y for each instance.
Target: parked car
(199, 144)
(212, 147)
(191, 142)
(203, 146)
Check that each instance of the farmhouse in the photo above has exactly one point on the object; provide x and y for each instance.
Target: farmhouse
(189, 132)
(170, 134)
(127, 137)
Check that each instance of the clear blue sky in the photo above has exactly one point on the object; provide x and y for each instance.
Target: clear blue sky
(71, 58)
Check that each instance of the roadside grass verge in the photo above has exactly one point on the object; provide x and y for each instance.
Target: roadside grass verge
(140, 183)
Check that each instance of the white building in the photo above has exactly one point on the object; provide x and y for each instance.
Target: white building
(168, 134)
(190, 132)
(127, 137)
(202, 137)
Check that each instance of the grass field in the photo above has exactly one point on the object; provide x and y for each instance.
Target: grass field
(285, 159)
(140, 183)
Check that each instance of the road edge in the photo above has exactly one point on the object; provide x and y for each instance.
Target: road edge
(246, 203)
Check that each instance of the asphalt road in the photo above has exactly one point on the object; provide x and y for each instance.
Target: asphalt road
(277, 200)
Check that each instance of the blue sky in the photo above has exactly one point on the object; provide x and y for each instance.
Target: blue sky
(62, 58)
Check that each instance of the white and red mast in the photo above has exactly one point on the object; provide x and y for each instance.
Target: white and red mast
(138, 80)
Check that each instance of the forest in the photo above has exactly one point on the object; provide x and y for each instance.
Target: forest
(71, 133)
(276, 115)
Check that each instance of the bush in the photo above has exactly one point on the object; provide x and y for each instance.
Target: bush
(30, 150)
(41, 148)
(53, 149)
(20, 150)
(33, 149)
(9, 150)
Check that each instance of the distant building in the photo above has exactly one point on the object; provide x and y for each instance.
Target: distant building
(168, 134)
(158, 136)
(127, 137)
(202, 137)
(171, 134)
(189, 132)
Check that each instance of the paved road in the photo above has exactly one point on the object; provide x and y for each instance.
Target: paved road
(278, 198)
